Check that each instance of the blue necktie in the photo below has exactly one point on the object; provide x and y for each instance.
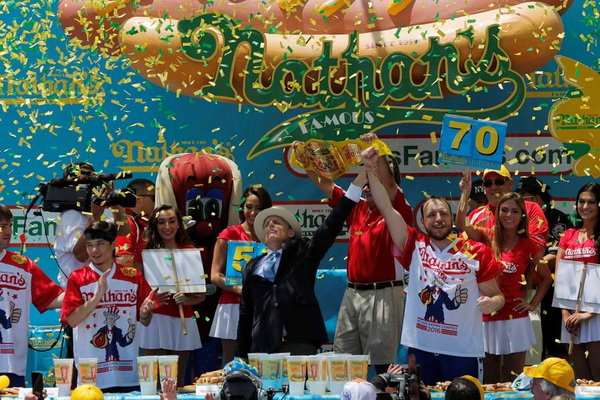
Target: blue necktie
(270, 263)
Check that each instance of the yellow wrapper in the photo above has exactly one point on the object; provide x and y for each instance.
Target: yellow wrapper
(332, 159)
(296, 371)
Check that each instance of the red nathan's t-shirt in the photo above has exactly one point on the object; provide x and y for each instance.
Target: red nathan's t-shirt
(484, 217)
(171, 308)
(582, 252)
(370, 246)
(126, 245)
(515, 263)
(235, 232)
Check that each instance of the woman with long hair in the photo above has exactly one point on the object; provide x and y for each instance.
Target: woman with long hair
(508, 333)
(582, 244)
(225, 323)
(164, 335)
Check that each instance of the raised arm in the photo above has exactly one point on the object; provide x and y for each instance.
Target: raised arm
(462, 221)
(384, 171)
(333, 224)
(396, 224)
(80, 313)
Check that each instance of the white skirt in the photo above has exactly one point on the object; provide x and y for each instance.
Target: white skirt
(225, 322)
(164, 332)
(508, 336)
(589, 331)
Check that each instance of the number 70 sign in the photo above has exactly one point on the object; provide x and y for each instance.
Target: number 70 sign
(472, 142)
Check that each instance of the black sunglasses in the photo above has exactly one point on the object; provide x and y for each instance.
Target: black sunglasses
(497, 182)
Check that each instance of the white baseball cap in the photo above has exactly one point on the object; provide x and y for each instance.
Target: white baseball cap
(358, 389)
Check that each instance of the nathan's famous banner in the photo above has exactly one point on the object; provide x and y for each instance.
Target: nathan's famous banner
(124, 84)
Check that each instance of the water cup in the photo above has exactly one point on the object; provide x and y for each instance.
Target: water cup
(254, 359)
(284, 370)
(167, 367)
(88, 369)
(316, 371)
(296, 367)
(63, 371)
(271, 370)
(148, 374)
(337, 366)
(358, 366)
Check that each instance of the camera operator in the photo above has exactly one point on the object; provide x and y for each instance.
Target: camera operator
(396, 384)
(70, 245)
(137, 217)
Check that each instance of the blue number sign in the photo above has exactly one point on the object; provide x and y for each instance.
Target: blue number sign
(473, 143)
(238, 254)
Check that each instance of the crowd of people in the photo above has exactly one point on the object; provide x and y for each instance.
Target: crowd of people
(473, 279)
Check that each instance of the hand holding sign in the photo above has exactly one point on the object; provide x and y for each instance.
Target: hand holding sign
(476, 143)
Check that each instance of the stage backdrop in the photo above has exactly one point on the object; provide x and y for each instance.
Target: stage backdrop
(125, 83)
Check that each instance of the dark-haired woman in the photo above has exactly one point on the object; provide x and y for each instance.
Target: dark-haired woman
(225, 323)
(508, 333)
(164, 335)
(582, 244)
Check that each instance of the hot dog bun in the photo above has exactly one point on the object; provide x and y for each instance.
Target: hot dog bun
(148, 33)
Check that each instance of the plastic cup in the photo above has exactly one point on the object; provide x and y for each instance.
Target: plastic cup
(88, 369)
(167, 367)
(358, 366)
(63, 371)
(337, 366)
(296, 367)
(148, 374)
(316, 370)
(284, 370)
(271, 370)
(254, 359)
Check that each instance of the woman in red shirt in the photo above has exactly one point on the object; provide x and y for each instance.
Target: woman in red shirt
(164, 335)
(225, 323)
(508, 334)
(582, 244)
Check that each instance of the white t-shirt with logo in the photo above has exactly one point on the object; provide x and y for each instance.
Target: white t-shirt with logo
(22, 283)
(110, 333)
(434, 320)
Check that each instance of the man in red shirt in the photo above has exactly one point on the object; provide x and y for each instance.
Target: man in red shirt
(371, 313)
(138, 219)
(480, 226)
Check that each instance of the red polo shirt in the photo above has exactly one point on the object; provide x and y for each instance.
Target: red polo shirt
(370, 247)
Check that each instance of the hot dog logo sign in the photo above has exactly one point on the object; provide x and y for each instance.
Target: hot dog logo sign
(267, 53)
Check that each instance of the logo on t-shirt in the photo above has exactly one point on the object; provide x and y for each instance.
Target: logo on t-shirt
(509, 268)
(580, 252)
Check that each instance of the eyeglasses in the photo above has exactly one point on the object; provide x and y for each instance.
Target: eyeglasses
(534, 383)
(497, 182)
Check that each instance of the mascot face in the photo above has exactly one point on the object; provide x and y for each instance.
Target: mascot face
(202, 186)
